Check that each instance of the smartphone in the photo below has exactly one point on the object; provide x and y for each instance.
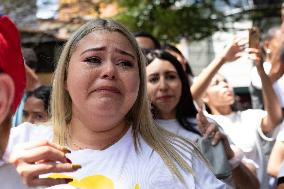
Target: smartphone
(254, 37)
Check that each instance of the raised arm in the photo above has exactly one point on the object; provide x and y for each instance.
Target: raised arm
(230, 53)
(277, 69)
(270, 99)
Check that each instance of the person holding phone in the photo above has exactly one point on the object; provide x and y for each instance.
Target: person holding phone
(244, 128)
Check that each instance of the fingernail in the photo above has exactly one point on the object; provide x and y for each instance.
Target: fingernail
(67, 180)
(66, 150)
(76, 166)
(68, 160)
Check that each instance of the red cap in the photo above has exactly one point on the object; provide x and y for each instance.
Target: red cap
(11, 58)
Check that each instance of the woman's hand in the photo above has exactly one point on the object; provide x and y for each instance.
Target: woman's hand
(36, 158)
(211, 130)
(233, 50)
(257, 56)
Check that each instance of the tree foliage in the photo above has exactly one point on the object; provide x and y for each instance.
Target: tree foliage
(195, 19)
(171, 19)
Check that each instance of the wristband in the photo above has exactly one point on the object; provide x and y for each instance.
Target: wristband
(238, 156)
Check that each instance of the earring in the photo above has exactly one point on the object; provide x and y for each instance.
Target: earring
(268, 51)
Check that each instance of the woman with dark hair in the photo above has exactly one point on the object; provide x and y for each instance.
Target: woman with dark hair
(179, 99)
(36, 107)
(173, 110)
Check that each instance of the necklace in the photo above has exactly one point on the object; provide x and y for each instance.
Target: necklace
(70, 143)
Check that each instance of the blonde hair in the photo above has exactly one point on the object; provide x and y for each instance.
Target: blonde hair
(139, 116)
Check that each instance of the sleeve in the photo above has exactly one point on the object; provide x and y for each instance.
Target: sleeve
(277, 133)
(254, 118)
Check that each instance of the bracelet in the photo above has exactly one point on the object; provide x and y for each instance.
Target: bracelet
(238, 156)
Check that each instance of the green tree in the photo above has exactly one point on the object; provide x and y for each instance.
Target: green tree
(170, 19)
(195, 19)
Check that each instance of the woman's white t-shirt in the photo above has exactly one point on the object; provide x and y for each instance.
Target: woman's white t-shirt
(119, 167)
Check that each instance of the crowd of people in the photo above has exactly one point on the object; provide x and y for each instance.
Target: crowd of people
(125, 111)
